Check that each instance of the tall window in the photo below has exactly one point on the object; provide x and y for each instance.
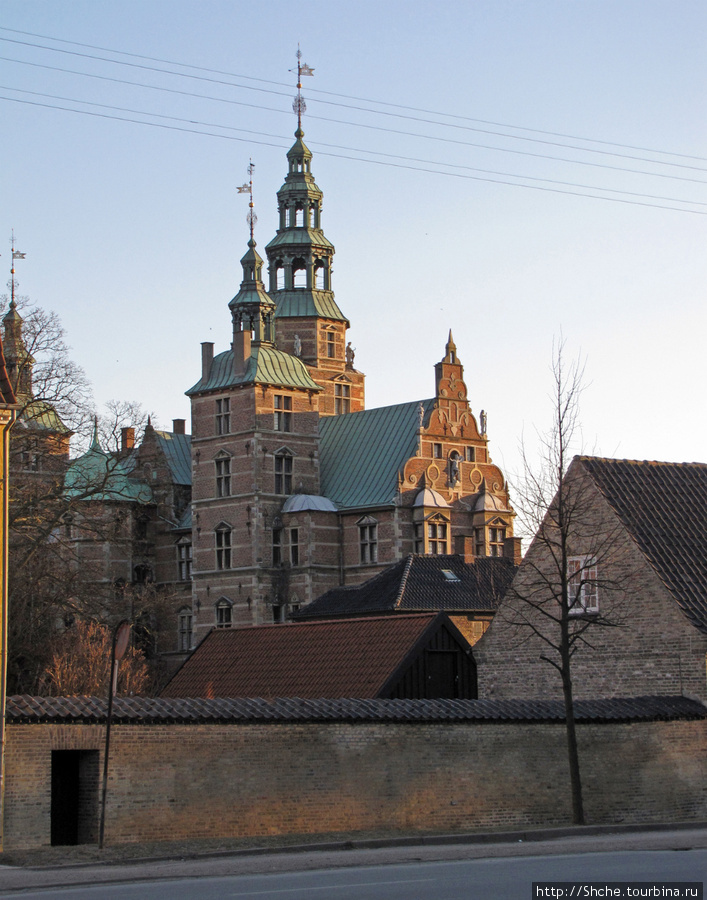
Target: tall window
(277, 546)
(331, 344)
(470, 454)
(184, 629)
(223, 547)
(480, 541)
(224, 613)
(282, 407)
(283, 473)
(437, 451)
(419, 537)
(342, 398)
(294, 546)
(437, 538)
(582, 592)
(184, 559)
(368, 540)
(496, 539)
(223, 476)
(223, 416)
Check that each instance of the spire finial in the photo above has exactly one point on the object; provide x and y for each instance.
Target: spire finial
(15, 255)
(298, 104)
(95, 443)
(247, 188)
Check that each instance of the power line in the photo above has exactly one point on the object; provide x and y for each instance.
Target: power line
(381, 128)
(358, 150)
(314, 90)
(514, 137)
(554, 190)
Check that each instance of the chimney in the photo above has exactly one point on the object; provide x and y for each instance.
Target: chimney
(179, 426)
(241, 350)
(464, 547)
(127, 439)
(512, 550)
(207, 357)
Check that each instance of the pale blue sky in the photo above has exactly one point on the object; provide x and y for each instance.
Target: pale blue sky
(133, 233)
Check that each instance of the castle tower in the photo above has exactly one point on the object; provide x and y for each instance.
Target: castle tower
(309, 321)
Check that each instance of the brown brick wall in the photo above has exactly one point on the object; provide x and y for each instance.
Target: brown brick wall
(192, 781)
(648, 646)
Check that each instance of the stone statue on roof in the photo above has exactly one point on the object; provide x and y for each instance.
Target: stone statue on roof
(350, 354)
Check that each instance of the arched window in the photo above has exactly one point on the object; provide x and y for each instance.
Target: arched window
(223, 546)
(299, 274)
(279, 276)
(224, 613)
(299, 216)
(319, 275)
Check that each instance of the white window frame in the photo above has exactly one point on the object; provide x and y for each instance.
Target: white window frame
(582, 588)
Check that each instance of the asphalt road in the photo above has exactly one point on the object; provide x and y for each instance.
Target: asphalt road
(445, 872)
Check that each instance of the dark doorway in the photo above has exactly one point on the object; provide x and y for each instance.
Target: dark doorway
(74, 797)
(441, 674)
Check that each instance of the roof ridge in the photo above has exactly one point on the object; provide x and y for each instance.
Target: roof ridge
(639, 462)
(403, 581)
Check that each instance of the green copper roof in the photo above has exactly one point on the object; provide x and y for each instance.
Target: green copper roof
(299, 303)
(101, 476)
(362, 453)
(265, 366)
(301, 237)
(177, 451)
(42, 415)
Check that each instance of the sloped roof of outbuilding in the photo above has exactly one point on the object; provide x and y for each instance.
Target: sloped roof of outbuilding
(266, 365)
(420, 583)
(362, 453)
(349, 657)
(663, 506)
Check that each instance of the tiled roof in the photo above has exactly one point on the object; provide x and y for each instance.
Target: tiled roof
(420, 583)
(664, 508)
(177, 450)
(266, 365)
(362, 453)
(146, 710)
(349, 657)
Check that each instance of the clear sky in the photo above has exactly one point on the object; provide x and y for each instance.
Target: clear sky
(455, 144)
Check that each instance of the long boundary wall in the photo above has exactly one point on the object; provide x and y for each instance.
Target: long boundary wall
(178, 781)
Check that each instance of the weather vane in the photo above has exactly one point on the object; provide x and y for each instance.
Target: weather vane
(247, 188)
(298, 104)
(15, 255)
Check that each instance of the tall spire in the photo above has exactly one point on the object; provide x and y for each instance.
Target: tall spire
(252, 310)
(300, 256)
(18, 360)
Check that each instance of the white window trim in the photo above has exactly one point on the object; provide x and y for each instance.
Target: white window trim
(587, 600)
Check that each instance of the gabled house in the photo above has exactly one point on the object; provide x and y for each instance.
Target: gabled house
(469, 592)
(404, 657)
(637, 571)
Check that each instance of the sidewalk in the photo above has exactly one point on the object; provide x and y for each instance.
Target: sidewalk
(131, 862)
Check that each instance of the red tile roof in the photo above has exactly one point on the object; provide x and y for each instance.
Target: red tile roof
(344, 658)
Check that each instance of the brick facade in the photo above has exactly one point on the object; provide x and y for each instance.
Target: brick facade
(177, 782)
(642, 643)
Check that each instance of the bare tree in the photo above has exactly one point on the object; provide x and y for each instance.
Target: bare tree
(552, 605)
(80, 664)
(49, 586)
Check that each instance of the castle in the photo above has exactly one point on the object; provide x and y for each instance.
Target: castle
(297, 488)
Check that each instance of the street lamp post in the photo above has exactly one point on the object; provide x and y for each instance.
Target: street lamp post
(121, 636)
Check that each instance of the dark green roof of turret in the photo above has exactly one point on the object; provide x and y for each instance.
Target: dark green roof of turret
(98, 475)
(301, 303)
(266, 365)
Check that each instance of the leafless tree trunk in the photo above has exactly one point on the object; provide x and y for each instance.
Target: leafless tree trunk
(552, 598)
